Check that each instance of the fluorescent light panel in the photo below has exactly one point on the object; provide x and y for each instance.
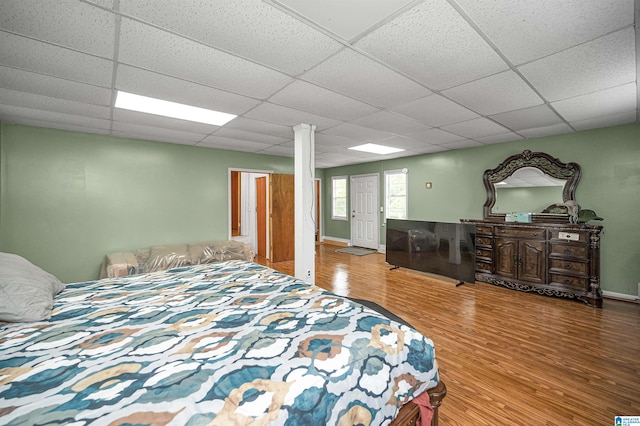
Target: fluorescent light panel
(148, 105)
(376, 149)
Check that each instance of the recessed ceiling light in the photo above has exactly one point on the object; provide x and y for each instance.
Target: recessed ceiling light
(376, 149)
(139, 103)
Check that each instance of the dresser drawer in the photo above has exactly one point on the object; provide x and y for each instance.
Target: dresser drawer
(483, 267)
(520, 232)
(481, 229)
(582, 237)
(483, 241)
(486, 253)
(573, 282)
(569, 250)
(569, 267)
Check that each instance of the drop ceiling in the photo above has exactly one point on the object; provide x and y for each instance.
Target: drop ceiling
(422, 75)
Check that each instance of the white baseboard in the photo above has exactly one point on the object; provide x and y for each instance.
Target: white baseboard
(620, 296)
(382, 248)
(340, 241)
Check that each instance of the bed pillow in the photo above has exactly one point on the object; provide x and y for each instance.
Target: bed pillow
(26, 291)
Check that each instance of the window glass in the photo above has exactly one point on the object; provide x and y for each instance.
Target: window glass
(395, 194)
(339, 197)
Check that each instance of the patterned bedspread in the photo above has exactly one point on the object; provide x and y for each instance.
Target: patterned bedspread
(224, 344)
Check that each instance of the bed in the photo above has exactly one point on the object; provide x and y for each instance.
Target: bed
(228, 343)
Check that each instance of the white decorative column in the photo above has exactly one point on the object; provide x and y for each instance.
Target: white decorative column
(305, 227)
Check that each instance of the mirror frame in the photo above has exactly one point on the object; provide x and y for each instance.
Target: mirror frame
(547, 164)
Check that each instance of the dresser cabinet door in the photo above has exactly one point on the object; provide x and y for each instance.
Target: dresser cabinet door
(532, 259)
(505, 258)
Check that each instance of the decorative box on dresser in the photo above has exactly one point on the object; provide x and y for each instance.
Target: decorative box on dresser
(549, 258)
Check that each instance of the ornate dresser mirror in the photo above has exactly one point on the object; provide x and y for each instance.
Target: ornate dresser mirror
(552, 256)
(532, 182)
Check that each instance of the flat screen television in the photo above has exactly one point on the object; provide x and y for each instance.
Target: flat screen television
(440, 248)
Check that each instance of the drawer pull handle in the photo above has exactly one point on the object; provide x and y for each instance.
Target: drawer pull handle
(567, 266)
(568, 250)
(567, 281)
(535, 234)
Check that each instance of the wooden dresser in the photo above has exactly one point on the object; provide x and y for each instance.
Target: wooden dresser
(549, 258)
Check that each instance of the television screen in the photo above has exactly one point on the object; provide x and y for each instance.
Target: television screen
(440, 248)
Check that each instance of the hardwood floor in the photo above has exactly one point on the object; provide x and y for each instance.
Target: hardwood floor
(507, 357)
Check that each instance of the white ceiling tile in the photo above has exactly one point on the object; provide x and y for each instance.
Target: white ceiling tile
(503, 137)
(324, 141)
(602, 63)
(235, 26)
(430, 149)
(434, 136)
(345, 18)
(53, 117)
(263, 127)
(285, 151)
(63, 22)
(27, 54)
(156, 133)
(435, 45)
(605, 121)
(362, 78)
(220, 142)
(497, 93)
(29, 100)
(158, 137)
(357, 133)
(53, 125)
(26, 81)
(288, 116)
(316, 100)
(605, 102)
(249, 136)
(467, 143)
(527, 118)
(435, 111)
(152, 120)
(539, 132)
(528, 30)
(475, 128)
(156, 50)
(406, 143)
(147, 83)
(102, 3)
(391, 122)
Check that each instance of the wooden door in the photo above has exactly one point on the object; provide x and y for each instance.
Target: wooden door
(261, 215)
(282, 218)
(236, 193)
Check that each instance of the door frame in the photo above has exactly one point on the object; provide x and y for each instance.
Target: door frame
(377, 206)
(229, 196)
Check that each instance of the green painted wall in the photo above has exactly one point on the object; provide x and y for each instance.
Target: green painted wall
(610, 160)
(69, 198)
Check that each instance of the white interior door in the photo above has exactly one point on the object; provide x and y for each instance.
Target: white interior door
(364, 211)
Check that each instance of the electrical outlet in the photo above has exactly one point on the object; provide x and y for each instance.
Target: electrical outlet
(308, 274)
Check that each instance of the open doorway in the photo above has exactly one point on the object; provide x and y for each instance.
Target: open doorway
(248, 208)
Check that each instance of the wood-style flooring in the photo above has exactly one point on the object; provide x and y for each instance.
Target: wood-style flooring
(507, 357)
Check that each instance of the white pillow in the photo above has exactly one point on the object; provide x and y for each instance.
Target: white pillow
(26, 291)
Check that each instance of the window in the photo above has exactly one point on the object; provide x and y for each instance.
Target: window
(339, 197)
(395, 194)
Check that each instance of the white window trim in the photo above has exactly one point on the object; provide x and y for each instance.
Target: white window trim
(404, 172)
(346, 215)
